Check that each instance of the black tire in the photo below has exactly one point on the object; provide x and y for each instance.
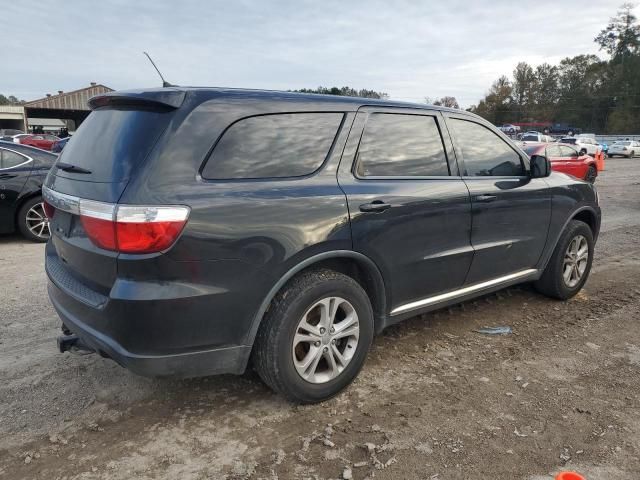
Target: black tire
(552, 283)
(23, 221)
(592, 174)
(273, 348)
(583, 151)
(631, 154)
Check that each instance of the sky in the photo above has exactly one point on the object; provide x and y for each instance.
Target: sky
(408, 49)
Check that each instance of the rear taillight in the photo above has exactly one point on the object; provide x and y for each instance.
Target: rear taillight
(148, 229)
(132, 229)
(123, 228)
(49, 210)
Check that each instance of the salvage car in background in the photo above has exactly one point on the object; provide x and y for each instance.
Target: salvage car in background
(43, 141)
(22, 171)
(58, 145)
(626, 148)
(584, 145)
(566, 159)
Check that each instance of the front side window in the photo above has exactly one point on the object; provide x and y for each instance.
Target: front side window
(273, 146)
(9, 159)
(400, 145)
(485, 154)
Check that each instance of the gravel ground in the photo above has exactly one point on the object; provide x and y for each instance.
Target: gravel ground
(434, 401)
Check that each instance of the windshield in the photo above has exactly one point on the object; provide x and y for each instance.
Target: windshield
(623, 144)
(530, 138)
(112, 142)
(572, 141)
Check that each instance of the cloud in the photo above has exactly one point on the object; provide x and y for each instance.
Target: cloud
(408, 49)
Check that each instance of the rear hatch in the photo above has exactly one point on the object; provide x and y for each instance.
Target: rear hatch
(111, 146)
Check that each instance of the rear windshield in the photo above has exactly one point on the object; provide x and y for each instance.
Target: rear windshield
(530, 138)
(112, 142)
(623, 144)
(572, 141)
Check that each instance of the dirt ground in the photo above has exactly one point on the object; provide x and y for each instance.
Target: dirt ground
(435, 400)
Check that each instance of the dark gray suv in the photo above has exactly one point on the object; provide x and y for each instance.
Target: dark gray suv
(197, 230)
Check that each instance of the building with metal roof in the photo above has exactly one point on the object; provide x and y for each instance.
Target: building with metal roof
(68, 108)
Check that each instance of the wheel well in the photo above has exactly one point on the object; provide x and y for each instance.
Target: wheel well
(21, 202)
(587, 217)
(371, 282)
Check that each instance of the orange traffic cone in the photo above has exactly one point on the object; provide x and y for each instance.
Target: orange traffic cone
(569, 476)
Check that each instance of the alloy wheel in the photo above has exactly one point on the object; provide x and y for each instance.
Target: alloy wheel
(575, 261)
(37, 222)
(325, 340)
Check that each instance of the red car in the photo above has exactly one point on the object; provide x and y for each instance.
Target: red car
(566, 159)
(43, 141)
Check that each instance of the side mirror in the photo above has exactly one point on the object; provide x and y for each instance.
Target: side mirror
(540, 166)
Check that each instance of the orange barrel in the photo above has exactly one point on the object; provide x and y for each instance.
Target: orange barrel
(600, 161)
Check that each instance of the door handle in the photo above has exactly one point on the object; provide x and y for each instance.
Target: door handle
(486, 198)
(375, 206)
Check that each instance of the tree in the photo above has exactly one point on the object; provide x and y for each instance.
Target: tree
(345, 92)
(447, 101)
(10, 100)
(524, 83)
(496, 105)
(622, 36)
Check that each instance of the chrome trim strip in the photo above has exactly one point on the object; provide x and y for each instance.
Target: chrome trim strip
(62, 201)
(461, 292)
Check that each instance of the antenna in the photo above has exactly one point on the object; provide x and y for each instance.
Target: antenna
(164, 82)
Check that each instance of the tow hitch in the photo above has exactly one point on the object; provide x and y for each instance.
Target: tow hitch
(72, 343)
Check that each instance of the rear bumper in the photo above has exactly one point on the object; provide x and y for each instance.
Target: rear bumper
(231, 359)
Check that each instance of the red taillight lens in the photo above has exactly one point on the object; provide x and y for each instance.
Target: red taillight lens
(100, 232)
(147, 237)
(132, 229)
(49, 210)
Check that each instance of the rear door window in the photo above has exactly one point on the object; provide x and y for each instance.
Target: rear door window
(9, 159)
(400, 145)
(273, 146)
(485, 154)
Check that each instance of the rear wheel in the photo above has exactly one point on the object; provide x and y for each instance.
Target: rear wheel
(631, 154)
(591, 175)
(32, 221)
(570, 264)
(315, 337)
(583, 151)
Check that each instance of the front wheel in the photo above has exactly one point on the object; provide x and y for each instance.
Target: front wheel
(631, 154)
(591, 175)
(315, 336)
(583, 151)
(570, 264)
(32, 221)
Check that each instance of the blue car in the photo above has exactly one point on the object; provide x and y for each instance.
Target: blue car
(59, 145)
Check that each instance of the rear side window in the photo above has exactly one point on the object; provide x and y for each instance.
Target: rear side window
(400, 145)
(485, 154)
(10, 159)
(273, 146)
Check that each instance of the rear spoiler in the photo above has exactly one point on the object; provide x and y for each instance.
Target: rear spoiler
(169, 98)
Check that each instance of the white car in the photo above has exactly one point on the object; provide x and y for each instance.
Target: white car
(626, 148)
(584, 145)
(536, 137)
(510, 129)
